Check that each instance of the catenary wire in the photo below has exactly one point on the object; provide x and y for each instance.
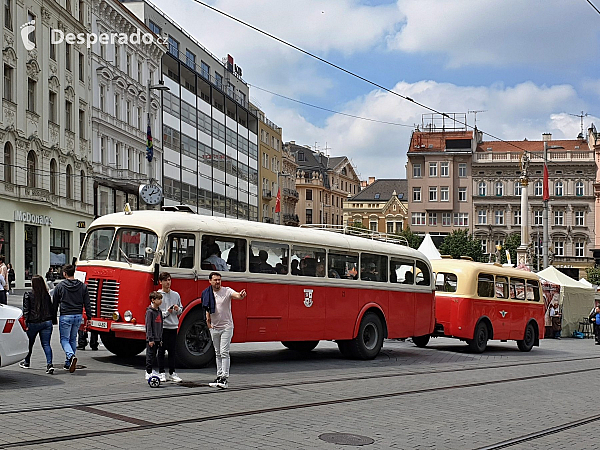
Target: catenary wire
(592, 5)
(330, 110)
(355, 75)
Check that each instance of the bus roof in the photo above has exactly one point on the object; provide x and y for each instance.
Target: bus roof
(162, 222)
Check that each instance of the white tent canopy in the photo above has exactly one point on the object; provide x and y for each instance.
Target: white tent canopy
(576, 299)
(429, 249)
(585, 282)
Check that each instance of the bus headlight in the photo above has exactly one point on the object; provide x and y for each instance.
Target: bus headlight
(127, 316)
(116, 316)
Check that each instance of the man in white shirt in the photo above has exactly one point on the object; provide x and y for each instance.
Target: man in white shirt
(220, 323)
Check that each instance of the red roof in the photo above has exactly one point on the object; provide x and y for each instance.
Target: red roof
(426, 141)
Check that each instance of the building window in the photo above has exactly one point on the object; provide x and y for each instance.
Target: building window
(482, 217)
(68, 6)
(416, 170)
(518, 188)
(416, 194)
(444, 169)
(579, 218)
(68, 115)
(82, 186)
(8, 162)
(68, 57)
(462, 194)
(559, 217)
(537, 189)
(173, 47)
(517, 217)
(537, 217)
(558, 188)
(81, 11)
(190, 59)
(30, 95)
(82, 124)
(103, 52)
(309, 195)
(433, 193)
(8, 14)
(559, 248)
(117, 56)
(484, 246)
(462, 170)
(482, 189)
(433, 169)
(81, 67)
(139, 71)
(53, 176)
(69, 191)
(154, 28)
(309, 218)
(31, 168)
(102, 97)
(499, 217)
(446, 219)
(219, 80)
(445, 194)
(205, 70)
(461, 219)
(52, 48)
(52, 107)
(8, 77)
(579, 191)
(117, 106)
(499, 189)
(418, 218)
(372, 224)
(432, 219)
(579, 249)
(30, 18)
(128, 112)
(59, 248)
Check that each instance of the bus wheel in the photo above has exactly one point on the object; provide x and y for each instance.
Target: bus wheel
(122, 346)
(345, 348)
(421, 341)
(528, 340)
(300, 346)
(194, 345)
(369, 341)
(479, 343)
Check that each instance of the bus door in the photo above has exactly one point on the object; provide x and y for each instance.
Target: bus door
(342, 296)
(506, 312)
(424, 315)
(307, 301)
(402, 303)
(180, 259)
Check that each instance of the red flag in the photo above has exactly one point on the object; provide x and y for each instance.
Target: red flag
(278, 201)
(546, 191)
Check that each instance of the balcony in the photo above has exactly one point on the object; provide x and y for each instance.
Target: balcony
(266, 195)
(268, 220)
(553, 155)
(291, 220)
(291, 194)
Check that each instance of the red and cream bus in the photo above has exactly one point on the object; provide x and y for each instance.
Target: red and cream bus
(476, 302)
(304, 285)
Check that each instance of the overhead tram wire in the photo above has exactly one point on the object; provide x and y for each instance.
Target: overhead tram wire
(592, 5)
(330, 110)
(360, 77)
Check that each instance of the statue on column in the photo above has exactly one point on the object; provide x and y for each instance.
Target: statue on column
(524, 165)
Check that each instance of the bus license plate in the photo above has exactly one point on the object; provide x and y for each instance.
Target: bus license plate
(99, 324)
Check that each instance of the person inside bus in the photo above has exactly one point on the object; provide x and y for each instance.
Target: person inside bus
(237, 256)
(370, 274)
(408, 277)
(263, 265)
(308, 267)
(295, 268)
(215, 258)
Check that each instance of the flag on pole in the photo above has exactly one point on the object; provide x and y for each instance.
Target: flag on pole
(278, 201)
(546, 191)
(149, 146)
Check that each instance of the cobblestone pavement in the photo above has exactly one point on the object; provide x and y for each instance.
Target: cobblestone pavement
(438, 397)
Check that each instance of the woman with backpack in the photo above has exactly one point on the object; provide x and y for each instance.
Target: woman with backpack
(37, 311)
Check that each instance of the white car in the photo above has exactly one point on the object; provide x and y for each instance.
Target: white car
(14, 343)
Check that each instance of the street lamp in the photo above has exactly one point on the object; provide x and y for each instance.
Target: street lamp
(149, 88)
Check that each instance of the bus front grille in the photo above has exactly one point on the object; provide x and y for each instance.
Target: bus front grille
(92, 285)
(109, 298)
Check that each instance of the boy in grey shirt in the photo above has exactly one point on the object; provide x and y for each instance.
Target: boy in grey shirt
(171, 310)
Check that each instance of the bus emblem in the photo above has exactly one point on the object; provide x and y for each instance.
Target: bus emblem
(308, 301)
(503, 313)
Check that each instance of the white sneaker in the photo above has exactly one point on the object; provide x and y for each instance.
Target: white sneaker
(162, 377)
(174, 377)
(148, 375)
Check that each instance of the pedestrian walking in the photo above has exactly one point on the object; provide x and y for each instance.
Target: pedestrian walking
(4, 284)
(216, 300)
(556, 320)
(71, 296)
(154, 330)
(37, 312)
(82, 339)
(171, 309)
(3, 293)
(595, 320)
(11, 278)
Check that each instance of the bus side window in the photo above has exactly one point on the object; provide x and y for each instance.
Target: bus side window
(446, 282)
(308, 261)
(501, 287)
(485, 285)
(181, 251)
(343, 265)
(423, 275)
(517, 288)
(373, 267)
(223, 253)
(533, 290)
(269, 257)
(402, 271)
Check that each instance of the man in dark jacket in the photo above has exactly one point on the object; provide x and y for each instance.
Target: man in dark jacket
(71, 296)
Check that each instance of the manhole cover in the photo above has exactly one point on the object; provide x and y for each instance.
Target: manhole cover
(346, 439)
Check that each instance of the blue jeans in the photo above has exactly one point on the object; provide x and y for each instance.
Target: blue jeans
(68, 327)
(44, 329)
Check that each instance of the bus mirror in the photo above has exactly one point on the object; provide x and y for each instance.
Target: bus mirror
(149, 251)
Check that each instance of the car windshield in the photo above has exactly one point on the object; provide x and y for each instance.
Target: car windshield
(134, 246)
(97, 244)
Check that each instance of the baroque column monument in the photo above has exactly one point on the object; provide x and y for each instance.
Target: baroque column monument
(522, 253)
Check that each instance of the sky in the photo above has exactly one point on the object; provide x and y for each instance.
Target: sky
(529, 64)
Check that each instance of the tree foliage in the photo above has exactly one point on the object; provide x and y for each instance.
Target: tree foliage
(461, 243)
(593, 275)
(414, 240)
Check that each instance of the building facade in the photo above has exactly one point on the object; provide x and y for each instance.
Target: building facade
(439, 181)
(210, 135)
(120, 73)
(46, 199)
(323, 184)
(289, 194)
(571, 214)
(594, 145)
(381, 206)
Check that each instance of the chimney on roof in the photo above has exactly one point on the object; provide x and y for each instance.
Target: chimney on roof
(546, 137)
(363, 184)
(371, 180)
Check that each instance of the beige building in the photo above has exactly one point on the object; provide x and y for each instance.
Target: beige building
(323, 184)
(289, 194)
(381, 206)
(594, 145)
(269, 167)
(497, 197)
(439, 181)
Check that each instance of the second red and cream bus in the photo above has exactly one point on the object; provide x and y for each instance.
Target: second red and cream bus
(304, 285)
(477, 302)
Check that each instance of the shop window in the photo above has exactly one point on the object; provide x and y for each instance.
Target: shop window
(59, 249)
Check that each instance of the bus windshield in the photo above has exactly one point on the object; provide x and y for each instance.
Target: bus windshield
(130, 245)
(97, 244)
